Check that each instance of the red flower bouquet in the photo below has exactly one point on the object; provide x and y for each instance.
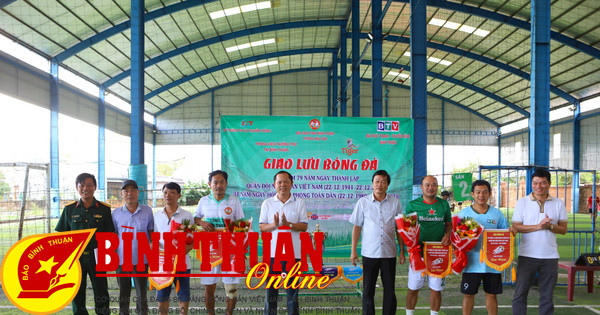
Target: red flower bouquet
(408, 228)
(240, 225)
(465, 234)
(186, 227)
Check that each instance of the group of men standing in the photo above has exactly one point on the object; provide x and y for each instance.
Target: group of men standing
(538, 217)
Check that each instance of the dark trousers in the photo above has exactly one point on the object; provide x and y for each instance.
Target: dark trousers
(141, 291)
(371, 268)
(272, 294)
(548, 273)
(99, 286)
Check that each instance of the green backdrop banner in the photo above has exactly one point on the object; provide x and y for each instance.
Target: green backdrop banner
(332, 160)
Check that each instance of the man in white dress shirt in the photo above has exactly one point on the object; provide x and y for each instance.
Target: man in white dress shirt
(374, 217)
(162, 224)
(283, 213)
(538, 217)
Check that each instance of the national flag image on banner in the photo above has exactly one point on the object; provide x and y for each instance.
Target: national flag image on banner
(438, 259)
(160, 279)
(41, 273)
(497, 249)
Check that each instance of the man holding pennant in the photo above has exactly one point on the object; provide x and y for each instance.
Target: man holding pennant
(476, 270)
(435, 223)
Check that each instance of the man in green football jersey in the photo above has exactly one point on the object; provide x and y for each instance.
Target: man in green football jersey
(435, 219)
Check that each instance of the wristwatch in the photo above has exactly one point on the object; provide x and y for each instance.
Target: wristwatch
(551, 226)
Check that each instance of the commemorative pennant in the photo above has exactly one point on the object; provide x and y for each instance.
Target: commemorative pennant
(352, 274)
(438, 259)
(334, 272)
(161, 279)
(497, 250)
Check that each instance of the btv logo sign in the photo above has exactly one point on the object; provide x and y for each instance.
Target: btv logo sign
(388, 126)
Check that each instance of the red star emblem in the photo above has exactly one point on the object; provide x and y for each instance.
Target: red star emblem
(431, 211)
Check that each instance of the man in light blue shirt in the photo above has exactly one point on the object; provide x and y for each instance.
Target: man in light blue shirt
(374, 215)
(132, 217)
(475, 272)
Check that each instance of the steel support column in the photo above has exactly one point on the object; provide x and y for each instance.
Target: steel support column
(212, 131)
(355, 57)
(101, 192)
(154, 163)
(334, 84)
(270, 95)
(329, 103)
(499, 192)
(376, 59)
(418, 87)
(576, 157)
(539, 122)
(343, 71)
(386, 100)
(54, 159)
(443, 141)
(138, 171)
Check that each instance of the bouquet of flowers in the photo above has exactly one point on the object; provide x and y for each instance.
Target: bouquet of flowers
(186, 227)
(408, 228)
(240, 225)
(465, 234)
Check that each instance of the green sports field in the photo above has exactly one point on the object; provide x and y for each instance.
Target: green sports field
(343, 298)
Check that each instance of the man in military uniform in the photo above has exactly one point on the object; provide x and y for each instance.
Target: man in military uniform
(88, 213)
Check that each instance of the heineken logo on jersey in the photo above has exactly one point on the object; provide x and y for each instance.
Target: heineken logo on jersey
(431, 211)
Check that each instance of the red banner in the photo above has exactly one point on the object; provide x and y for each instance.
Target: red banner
(438, 259)
(498, 248)
(161, 279)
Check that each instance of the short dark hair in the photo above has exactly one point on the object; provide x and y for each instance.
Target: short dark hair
(83, 176)
(541, 172)
(423, 178)
(172, 185)
(215, 173)
(481, 182)
(283, 172)
(382, 173)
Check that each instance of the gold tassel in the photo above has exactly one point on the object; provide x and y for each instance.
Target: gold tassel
(514, 275)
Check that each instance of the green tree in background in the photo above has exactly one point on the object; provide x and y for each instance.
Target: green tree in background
(4, 186)
(192, 192)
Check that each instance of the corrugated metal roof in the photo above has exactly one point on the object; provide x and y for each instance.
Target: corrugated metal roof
(484, 45)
